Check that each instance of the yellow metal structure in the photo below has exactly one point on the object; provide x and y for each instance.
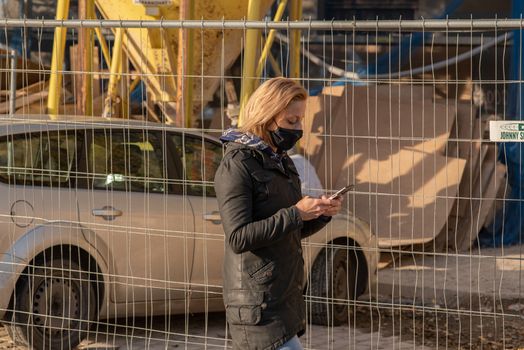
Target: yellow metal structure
(250, 56)
(185, 66)
(57, 60)
(124, 81)
(250, 74)
(116, 70)
(153, 52)
(270, 38)
(134, 83)
(103, 45)
(295, 14)
(188, 92)
(88, 60)
(274, 65)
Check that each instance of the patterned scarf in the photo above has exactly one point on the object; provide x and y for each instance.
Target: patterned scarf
(251, 140)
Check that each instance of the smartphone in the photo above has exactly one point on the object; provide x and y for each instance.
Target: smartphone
(342, 191)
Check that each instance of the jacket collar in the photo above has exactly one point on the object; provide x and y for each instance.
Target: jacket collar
(250, 140)
(268, 162)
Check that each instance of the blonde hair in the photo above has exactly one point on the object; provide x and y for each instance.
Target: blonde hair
(271, 98)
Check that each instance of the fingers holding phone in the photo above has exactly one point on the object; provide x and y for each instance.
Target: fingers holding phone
(311, 208)
(336, 200)
(334, 206)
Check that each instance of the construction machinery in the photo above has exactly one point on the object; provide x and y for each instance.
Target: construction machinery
(180, 68)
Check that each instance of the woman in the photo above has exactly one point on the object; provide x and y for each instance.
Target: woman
(264, 217)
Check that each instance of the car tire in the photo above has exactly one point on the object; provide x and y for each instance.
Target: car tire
(54, 305)
(333, 285)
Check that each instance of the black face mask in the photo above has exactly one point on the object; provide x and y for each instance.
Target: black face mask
(285, 139)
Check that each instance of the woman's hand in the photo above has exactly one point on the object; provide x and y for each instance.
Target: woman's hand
(311, 208)
(334, 207)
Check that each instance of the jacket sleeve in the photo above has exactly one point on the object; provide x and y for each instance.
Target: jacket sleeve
(313, 226)
(233, 187)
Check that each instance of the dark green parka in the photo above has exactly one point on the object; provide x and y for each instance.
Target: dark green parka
(263, 264)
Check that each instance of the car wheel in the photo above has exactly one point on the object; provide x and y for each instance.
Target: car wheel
(54, 304)
(14, 333)
(332, 286)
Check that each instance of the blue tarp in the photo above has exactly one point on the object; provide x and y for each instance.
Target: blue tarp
(508, 225)
(394, 59)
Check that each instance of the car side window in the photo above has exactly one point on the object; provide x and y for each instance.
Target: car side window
(200, 159)
(126, 161)
(45, 158)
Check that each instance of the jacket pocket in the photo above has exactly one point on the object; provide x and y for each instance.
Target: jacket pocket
(243, 307)
(264, 273)
(261, 184)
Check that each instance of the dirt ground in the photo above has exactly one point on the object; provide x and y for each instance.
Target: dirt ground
(451, 329)
(196, 332)
(472, 300)
(370, 328)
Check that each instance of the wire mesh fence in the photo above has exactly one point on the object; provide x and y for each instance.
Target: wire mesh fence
(111, 231)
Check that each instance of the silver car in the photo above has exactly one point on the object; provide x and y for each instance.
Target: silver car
(119, 218)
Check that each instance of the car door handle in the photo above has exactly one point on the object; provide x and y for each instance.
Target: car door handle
(214, 217)
(107, 213)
